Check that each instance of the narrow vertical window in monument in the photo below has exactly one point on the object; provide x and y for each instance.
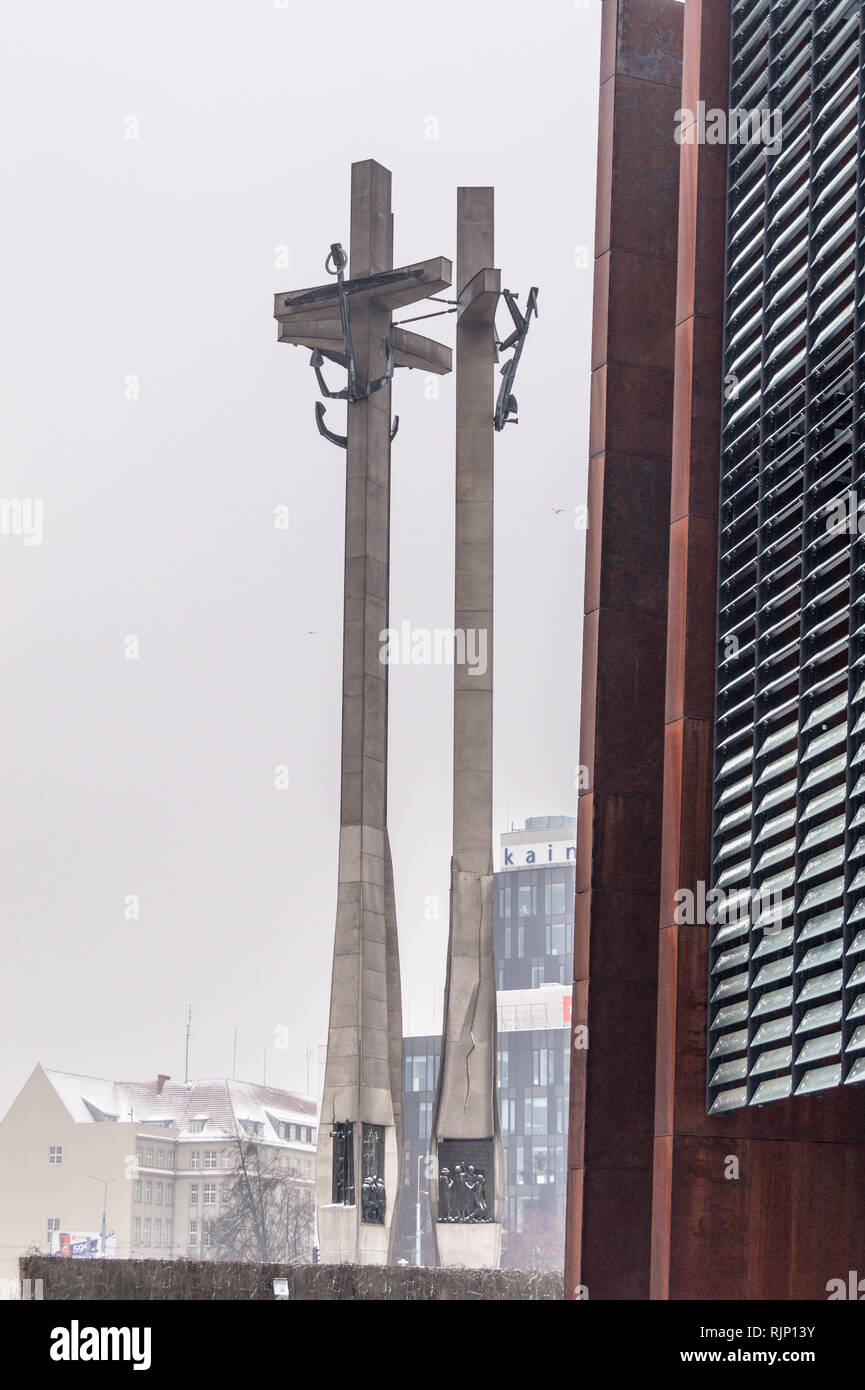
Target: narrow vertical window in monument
(787, 979)
(342, 1136)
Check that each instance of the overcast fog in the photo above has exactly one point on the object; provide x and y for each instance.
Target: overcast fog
(168, 167)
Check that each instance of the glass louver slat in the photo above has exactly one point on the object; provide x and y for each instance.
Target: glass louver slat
(729, 1100)
(773, 1031)
(819, 1079)
(730, 1071)
(730, 1042)
(775, 1060)
(777, 1089)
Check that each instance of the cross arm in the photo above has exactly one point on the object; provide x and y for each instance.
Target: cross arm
(409, 349)
(392, 288)
(479, 299)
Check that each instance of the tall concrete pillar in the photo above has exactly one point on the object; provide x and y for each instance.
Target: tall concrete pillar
(466, 1132)
(359, 1156)
(365, 1009)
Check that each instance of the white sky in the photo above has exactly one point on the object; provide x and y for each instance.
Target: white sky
(154, 257)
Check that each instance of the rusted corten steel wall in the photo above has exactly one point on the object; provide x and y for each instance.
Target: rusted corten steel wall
(795, 1215)
(619, 824)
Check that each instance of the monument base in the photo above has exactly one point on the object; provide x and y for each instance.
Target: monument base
(343, 1240)
(469, 1246)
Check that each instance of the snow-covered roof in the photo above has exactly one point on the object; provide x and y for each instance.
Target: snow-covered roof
(223, 1104)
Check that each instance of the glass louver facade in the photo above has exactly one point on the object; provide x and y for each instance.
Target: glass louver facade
(787, 959)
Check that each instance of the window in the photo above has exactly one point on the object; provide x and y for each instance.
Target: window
(418, 1078)
(307, 1169)
(193, 1233)
(147, 1230)
(207, 1233)
(197, 1126)
(139, 1155)
(502, 1065)
(542, 1066)
(170, 1157)
(537, 976)
(160, 1158)
(544, 1171)
(521, 942)
(226, 1191)
(168, 1234)
(53, 1225)
(226, 1158)
(507, 943)
(210, 1158)
(148, 1192)
(536, 1115)
(157, 1232)
(159, 1194)
(424, 1119)
(194, 1158)
(55, 1154)
(557, 939)
(554, 899)
(561, 1114)
(209, 1194)
(136, 1231)
(136, 1191)
(169, 1193)
(521, 1165)
(193, 1194)
(527, 900)
(509, 1116)
(312, 1127)
(148, 1158)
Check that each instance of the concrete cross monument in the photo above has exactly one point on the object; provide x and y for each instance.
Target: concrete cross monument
(348, 322)
(467, 1193)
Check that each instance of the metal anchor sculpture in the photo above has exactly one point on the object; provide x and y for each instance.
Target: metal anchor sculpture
(506, 405)
(355, 390)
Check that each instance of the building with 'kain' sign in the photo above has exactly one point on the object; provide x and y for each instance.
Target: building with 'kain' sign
(533, 896)
(717, 1143)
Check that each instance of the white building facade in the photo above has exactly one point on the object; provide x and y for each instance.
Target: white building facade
(158, 1154)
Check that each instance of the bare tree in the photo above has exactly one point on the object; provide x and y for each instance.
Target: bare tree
(540, 1242)
(269, 1213)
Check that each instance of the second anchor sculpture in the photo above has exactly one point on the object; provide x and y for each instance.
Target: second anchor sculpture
(359, 1156)
(467, 1194)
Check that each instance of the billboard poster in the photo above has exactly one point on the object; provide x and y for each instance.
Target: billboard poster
(82, 1245)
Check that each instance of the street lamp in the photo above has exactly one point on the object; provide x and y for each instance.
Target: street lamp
(103, 1234)
(417, 1234)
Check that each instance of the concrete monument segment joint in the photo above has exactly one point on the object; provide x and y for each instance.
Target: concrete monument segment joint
(362, 1101)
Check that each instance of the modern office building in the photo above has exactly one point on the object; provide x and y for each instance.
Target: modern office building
(166, 1150)
(533, 930)
(718, 1139)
